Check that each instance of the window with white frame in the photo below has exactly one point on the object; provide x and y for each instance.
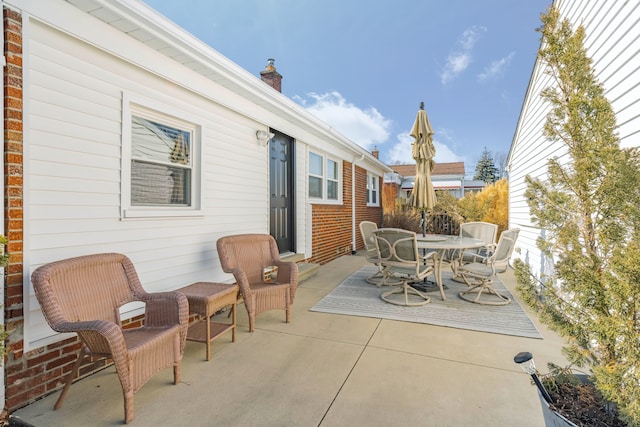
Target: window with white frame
(373, 190)
(162, 177)
(324, 177)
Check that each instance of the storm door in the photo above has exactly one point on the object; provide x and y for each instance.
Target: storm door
(281, 186)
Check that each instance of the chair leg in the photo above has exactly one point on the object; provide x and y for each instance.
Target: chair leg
(177, 372)
(405, 289)
(234, 306)
(82, 355)
(387, 280)
(252, 319)
(478, 289)
(208, 335)
(128, 406)
(375, 279)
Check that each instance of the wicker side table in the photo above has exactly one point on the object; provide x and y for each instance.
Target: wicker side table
(205, 300)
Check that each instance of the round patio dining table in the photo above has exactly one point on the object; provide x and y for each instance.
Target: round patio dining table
(441, 243)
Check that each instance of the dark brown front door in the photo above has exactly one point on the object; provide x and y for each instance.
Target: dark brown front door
(281, 190)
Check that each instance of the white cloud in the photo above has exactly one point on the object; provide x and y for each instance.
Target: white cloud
(366, 127)
(496, 68)
(400, 153)
(459, 59)
(470, 36)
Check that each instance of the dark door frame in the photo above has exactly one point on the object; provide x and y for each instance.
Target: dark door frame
(286, 243)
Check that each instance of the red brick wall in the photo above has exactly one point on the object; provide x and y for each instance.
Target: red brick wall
(13, 183)
(13, 175)
(331, 224)
(363, 212)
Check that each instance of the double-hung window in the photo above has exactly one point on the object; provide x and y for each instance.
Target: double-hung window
(373, 190)
(162, 173)
(324, 178)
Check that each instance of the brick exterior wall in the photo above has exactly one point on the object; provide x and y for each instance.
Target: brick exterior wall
(331, 224)
(13, 225)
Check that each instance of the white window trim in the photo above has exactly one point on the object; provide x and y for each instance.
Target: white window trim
(324, 199)
(132, 105)
(370, 177)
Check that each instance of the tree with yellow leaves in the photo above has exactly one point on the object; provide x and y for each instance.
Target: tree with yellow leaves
(489, 205)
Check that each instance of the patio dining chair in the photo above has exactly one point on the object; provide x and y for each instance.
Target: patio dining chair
(371, 251)
(367, 229)
(247, 257)
(84, 295)
(401, 260)
(484, 231)
(480, 274)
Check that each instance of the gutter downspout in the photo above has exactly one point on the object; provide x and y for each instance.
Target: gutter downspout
(353, 203)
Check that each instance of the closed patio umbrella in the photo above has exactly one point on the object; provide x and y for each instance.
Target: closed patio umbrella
(423, 151)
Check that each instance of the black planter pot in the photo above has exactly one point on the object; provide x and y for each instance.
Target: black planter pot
(551, 417)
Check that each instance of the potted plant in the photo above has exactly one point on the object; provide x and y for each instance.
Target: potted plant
(567, 395)
(588, 211)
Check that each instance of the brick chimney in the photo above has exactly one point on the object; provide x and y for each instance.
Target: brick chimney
(375, 153)
(271, 77)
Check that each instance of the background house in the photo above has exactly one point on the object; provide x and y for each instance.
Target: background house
(611, 42)
(445, 177)
(124, 133)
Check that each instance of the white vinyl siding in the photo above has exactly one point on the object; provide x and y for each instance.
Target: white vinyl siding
(73, 174)
(611, 40)
(85, 65)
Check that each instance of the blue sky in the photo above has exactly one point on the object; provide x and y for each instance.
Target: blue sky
(364, 66)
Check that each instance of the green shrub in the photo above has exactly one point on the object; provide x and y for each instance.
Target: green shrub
(589, 210)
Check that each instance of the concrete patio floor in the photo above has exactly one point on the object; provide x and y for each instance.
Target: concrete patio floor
(326, 370)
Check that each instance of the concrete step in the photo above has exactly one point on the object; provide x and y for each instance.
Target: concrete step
(306, 270)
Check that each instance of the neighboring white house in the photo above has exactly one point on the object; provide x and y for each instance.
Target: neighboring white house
(444, 177)
(612, 41)
(128, 134)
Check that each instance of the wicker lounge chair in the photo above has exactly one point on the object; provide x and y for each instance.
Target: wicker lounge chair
(246, 256)
(84, 294)
(401, 260)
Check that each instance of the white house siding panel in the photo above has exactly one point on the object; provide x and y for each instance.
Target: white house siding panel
(303, 208)
(73, 200)
(613, 42)
(79, 73)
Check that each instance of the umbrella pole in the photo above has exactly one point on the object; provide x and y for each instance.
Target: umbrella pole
(424, 224)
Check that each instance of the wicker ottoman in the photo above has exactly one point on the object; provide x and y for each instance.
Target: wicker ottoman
(205, 300)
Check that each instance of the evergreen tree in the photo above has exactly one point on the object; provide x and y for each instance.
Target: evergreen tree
(486, 169)
(589, 211)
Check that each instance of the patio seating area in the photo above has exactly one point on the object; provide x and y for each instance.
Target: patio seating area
(326, 370)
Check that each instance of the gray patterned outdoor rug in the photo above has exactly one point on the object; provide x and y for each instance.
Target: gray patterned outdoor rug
(355, 297)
